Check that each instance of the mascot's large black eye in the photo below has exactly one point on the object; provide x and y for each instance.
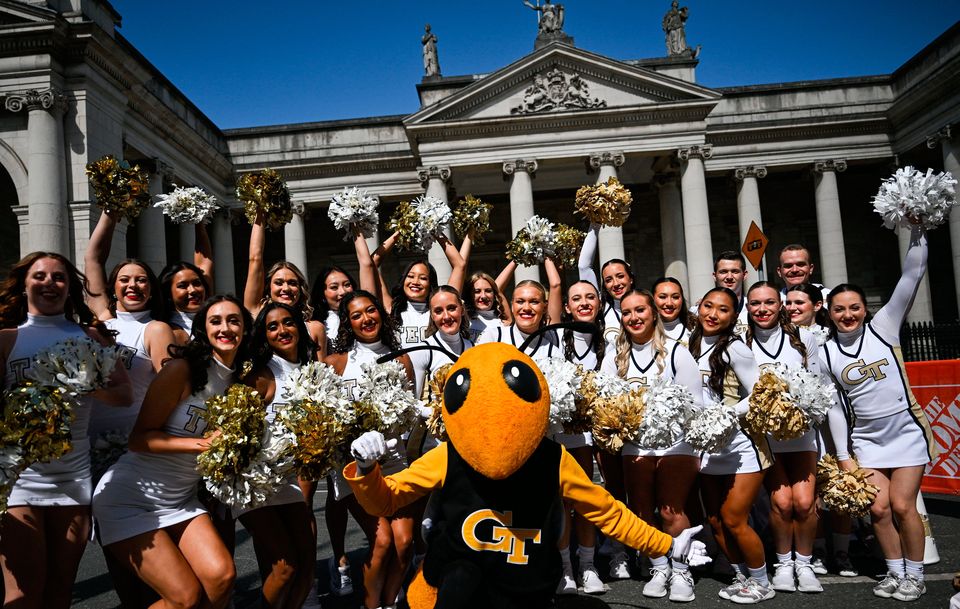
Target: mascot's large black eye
(456, 389)
(522, 380)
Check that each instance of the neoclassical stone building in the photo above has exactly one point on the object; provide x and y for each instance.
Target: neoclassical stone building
(801, 159)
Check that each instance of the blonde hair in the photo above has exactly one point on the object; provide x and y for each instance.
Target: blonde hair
(543, 294)
(471, 304)
(622, 359)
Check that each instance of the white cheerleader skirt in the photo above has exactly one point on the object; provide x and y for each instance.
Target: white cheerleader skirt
(573, 440)
(740, 456)
(632, 449)
(807, 443)
(903, 439)
(287, 494)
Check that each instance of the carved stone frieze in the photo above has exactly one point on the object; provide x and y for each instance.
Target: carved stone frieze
(556, 91)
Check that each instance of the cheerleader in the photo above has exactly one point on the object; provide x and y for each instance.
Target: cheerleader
(284, 542)
(586, 350)
(657, 479)
(889, 433)
(804, 305)
(617, 280)
(673, 309)
(366, 333)
(791, 480)
(448, 329)
(407, 301)
(531, 310)
(484, 295)
(732, 477)
(184, 288)
(146, 506)
(47, 523)
(283, 282)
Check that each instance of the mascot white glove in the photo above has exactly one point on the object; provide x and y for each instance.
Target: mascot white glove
(367, 449)
(688, 550)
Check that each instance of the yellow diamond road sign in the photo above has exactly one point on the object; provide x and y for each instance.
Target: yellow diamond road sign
(755, 245)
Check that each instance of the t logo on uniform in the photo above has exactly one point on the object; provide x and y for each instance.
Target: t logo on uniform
(865, 371)
(512, 542)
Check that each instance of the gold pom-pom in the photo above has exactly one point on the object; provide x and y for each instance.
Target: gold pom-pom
(617, 419)
(120, 190)
(567, 245)
(239, 416)
(436, 385)
(321, 440)
(771, 410)
(472, 217)
(843, 491)
(265, 195)
(37, 419)
(607, 203)
(582, 419)
(404, 223)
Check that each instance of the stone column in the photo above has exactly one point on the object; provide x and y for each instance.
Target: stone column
(521, 205)
(434, 179)
(671, 228)
(748, 204)
(951, 163)
(295, 240)
(922, 309)
(222, 237)
(47, 171)
(610, 239)
(696, 219)
(833, 260)
(151, 226)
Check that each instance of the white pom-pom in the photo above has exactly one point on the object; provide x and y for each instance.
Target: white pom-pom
(667, 408)
(319, 383)
(712, 428)
(80, 365)
(807, 391)
(563, 381)
(433, 215)
(387, 389)
(191, 205)
(354, 207)
(911, 195)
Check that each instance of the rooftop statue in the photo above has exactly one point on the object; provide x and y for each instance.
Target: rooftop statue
(431, 62)
(550, 24)
(673, 26)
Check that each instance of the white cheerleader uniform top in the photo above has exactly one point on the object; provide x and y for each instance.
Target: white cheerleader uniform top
(584, 353)
(146, 491)
(414, 322)
(182, 320)
(675, 330)
(427, 362)
(611, 309)
(481, 321)
(544, 347)
(678, 366)
(65, 481)
(130, 328)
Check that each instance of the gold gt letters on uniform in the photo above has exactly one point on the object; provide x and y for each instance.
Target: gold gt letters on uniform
(512, 542)
(865, 371)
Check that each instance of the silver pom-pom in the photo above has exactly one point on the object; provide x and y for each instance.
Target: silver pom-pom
(385, 398)
(911, 195)
(79, 365)
(192, 205)
(807, 391)
(563, 381)
(533, 242)
(668, 407)
(820, 333)
(354, 207)
(712, 428)
(319, 383)
(433, 216)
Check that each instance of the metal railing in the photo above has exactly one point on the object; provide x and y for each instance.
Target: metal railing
(927, 340)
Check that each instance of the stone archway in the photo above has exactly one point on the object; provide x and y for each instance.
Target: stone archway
(13, 193)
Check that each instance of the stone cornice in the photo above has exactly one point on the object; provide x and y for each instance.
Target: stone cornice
(433, 172)
(943, 135)
(598, 159)
(835, 165)
(703, 152)
(749, 171)
(750, 133)
(50, 99)
(520, 165)
(315, 170)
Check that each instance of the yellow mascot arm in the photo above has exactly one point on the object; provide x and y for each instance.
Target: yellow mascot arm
(609, 515)
(383, 496)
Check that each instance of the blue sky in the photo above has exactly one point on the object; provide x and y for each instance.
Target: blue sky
(248, 63)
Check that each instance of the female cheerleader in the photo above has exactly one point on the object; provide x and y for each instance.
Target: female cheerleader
(484, 295)
(587, 350)
(284, 282)
(732, 477)
(657, 479)
(280, 528)
(146, 506)
(366, 333)
(791, 480)
(447, 329)
(804, 305)
(889, 433)
(673, 309)
(184, 287)
(47, 523)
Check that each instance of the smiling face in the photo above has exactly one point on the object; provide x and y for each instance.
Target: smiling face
(716, 313)
(616, 280)
(446, 312)
(285, 286)
(416, 283)
(847, 310)
(482, 295)
(801, 310)
(669, 300)
(282, 334)
(132, 288)
(638, 318)
(730, 274)
(224, 325)
(364, 319)
(47, 287)
(763, 305)
(187, 291)
(583, 302)
(335, 287)
(529, 306)
(795, 267)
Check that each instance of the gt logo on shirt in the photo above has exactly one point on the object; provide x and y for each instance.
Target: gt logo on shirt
(512, 542)
(865, 371)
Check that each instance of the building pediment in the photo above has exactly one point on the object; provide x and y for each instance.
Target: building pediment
(19, 14)
(561, 79)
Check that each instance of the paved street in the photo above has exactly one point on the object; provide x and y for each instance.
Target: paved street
(94, 590)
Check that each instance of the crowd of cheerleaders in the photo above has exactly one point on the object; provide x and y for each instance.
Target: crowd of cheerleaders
(163, 539)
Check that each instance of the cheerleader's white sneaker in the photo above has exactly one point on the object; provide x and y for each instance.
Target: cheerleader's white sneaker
(910, 589)
(753, 592)
(887, 586)
(818, 567)
(783, 577)
(739, 581)
(806, 579)
(657, 586)
(681, 587)
(592, 584)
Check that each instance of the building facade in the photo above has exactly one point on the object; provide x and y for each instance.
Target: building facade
(801, 160)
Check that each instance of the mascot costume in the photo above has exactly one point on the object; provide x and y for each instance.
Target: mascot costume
(498, 488)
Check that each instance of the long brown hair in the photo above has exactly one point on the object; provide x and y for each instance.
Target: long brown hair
(719, 362)
(432, 329)
(598, 341)
(471, 304)
(792, 332)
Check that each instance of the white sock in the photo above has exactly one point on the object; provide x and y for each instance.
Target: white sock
(679, 566)
(801, 559)
(896, 567)
(660, 562)
(841, 542)
(784, 558)
(760, 574)
(565, 560)
(585, 556)
(914, 568)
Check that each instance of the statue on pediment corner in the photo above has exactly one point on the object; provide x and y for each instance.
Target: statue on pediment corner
(674, 28)
(431, 61)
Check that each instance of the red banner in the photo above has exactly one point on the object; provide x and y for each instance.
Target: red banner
(936, 386)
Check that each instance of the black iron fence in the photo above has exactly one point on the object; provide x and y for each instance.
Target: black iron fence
(926, 340)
